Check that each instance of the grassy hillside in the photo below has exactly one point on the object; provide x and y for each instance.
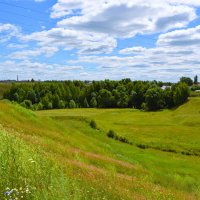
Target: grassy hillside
(166, 130)
(97, 167)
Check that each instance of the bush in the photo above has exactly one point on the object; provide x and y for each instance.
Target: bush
(27, 104)
(111, 134)
(142, 146)
(123, 139)
(93, 124)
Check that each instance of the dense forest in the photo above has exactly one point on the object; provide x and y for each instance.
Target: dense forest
(98, 94)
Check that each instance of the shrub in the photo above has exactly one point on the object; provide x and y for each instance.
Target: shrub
(142, 146)
(123, 139)
(112, 134)
(93, 124)
(23, 104)
(27, 104)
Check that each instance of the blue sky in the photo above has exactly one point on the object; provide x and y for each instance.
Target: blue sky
(94, 40)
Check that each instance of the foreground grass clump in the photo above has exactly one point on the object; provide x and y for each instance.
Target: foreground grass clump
(26, 175)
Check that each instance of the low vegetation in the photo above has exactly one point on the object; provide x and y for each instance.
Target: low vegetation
(112, 134)
(26, 175)
(93, 124)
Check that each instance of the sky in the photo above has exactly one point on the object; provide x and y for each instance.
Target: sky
(100, 39)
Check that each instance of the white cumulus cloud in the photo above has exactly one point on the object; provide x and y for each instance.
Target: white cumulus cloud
(123, 18)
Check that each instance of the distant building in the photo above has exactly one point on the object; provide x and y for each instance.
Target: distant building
(165, 87)
(88, 82)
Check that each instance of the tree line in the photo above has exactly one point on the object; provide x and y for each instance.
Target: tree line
(147, 95)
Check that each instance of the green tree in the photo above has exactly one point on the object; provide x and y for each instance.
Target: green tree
(27, 104)
(186, 80)
(196, 80)
(168, 97)
(21, 94)
(140, 89)
(40, 106)
(16, 97)
(46, 102)
(180, 93)
(72, 104)
(85, 103)
(61, 104)
(121, 96)
(154, 98)
(93, 102)
(32, 96)
(105, 98)
(132, 99)
(123, 101)
(56, 101)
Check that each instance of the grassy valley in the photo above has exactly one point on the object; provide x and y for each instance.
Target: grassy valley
(162, 163)
(99, 100)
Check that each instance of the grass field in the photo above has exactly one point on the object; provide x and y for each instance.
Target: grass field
(94, 166)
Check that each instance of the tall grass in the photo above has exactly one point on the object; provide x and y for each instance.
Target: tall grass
(94, 166)
(26, 175)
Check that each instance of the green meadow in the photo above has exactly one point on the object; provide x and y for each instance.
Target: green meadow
(56, 154)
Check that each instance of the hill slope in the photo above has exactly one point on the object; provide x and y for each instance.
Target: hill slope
(99, 167)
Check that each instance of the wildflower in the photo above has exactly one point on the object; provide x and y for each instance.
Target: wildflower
(8, 192)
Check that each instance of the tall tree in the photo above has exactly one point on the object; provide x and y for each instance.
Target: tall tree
(196, 80)
(85, 103)
(56, 101)
(93, 102)
(187, 80)
(154, 98)
(180, 93)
